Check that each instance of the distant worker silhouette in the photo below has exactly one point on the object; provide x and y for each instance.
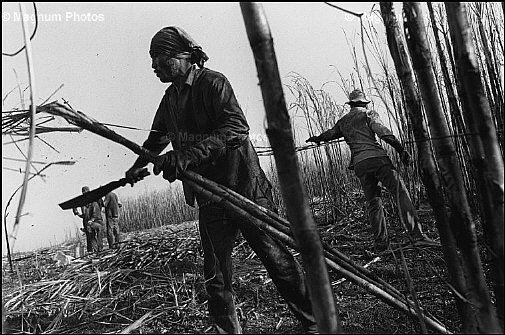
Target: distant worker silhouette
(112, 206)
(92, 221)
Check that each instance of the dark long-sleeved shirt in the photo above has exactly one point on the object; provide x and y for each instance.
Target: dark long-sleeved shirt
(358, 128)
(205, 121)
(92, 212)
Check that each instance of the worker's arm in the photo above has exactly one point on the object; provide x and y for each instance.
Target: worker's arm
(387, 135)
(155, 143)
(330, 134)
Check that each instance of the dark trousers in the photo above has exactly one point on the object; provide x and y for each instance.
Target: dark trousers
(113, 235)
(95, 230)
(218, 230)
(87, 233)
(372, 170)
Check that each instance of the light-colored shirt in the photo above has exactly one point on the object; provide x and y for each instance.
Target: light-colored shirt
(358, 128)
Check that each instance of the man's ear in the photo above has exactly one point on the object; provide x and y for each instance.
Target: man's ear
(185, 63)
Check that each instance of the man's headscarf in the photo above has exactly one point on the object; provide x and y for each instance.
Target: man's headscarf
(174, 41)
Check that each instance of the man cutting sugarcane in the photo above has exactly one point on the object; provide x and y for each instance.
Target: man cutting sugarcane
(201, 117)
(372, 165)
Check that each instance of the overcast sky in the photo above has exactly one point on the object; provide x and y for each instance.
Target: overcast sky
(99, 52)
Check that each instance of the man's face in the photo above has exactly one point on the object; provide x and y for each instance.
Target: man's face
(165, 67)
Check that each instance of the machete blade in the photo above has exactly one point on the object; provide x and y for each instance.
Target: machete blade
(93, 195)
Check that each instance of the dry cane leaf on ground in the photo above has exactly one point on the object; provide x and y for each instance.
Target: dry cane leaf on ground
(159, 270)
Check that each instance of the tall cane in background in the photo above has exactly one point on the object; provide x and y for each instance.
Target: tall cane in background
(281, 139)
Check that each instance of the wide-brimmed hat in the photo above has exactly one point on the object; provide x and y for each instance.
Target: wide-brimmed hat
(357, 96)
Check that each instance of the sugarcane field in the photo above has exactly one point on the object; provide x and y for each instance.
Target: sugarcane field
(256, 168)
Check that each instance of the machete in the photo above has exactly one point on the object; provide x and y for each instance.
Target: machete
(98, 193)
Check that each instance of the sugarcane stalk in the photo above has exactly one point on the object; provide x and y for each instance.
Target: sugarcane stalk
(486, 154)
(280, 135)
(243, 207)
(393, 299)
(389, 299)
(31, 136)
(267, 216)
(283, 226)
(82, 120)
(278, 228)
(462, 222)
(427, 165)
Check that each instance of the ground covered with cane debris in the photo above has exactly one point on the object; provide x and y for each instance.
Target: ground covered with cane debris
(154, 284)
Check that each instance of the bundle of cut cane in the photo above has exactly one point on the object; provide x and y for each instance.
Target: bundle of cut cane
(120, 284)
(252, 213)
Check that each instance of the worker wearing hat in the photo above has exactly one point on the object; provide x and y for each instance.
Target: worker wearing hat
(372, 165)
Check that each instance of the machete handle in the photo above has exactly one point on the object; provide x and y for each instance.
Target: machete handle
(144, 173)
(140, 173)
